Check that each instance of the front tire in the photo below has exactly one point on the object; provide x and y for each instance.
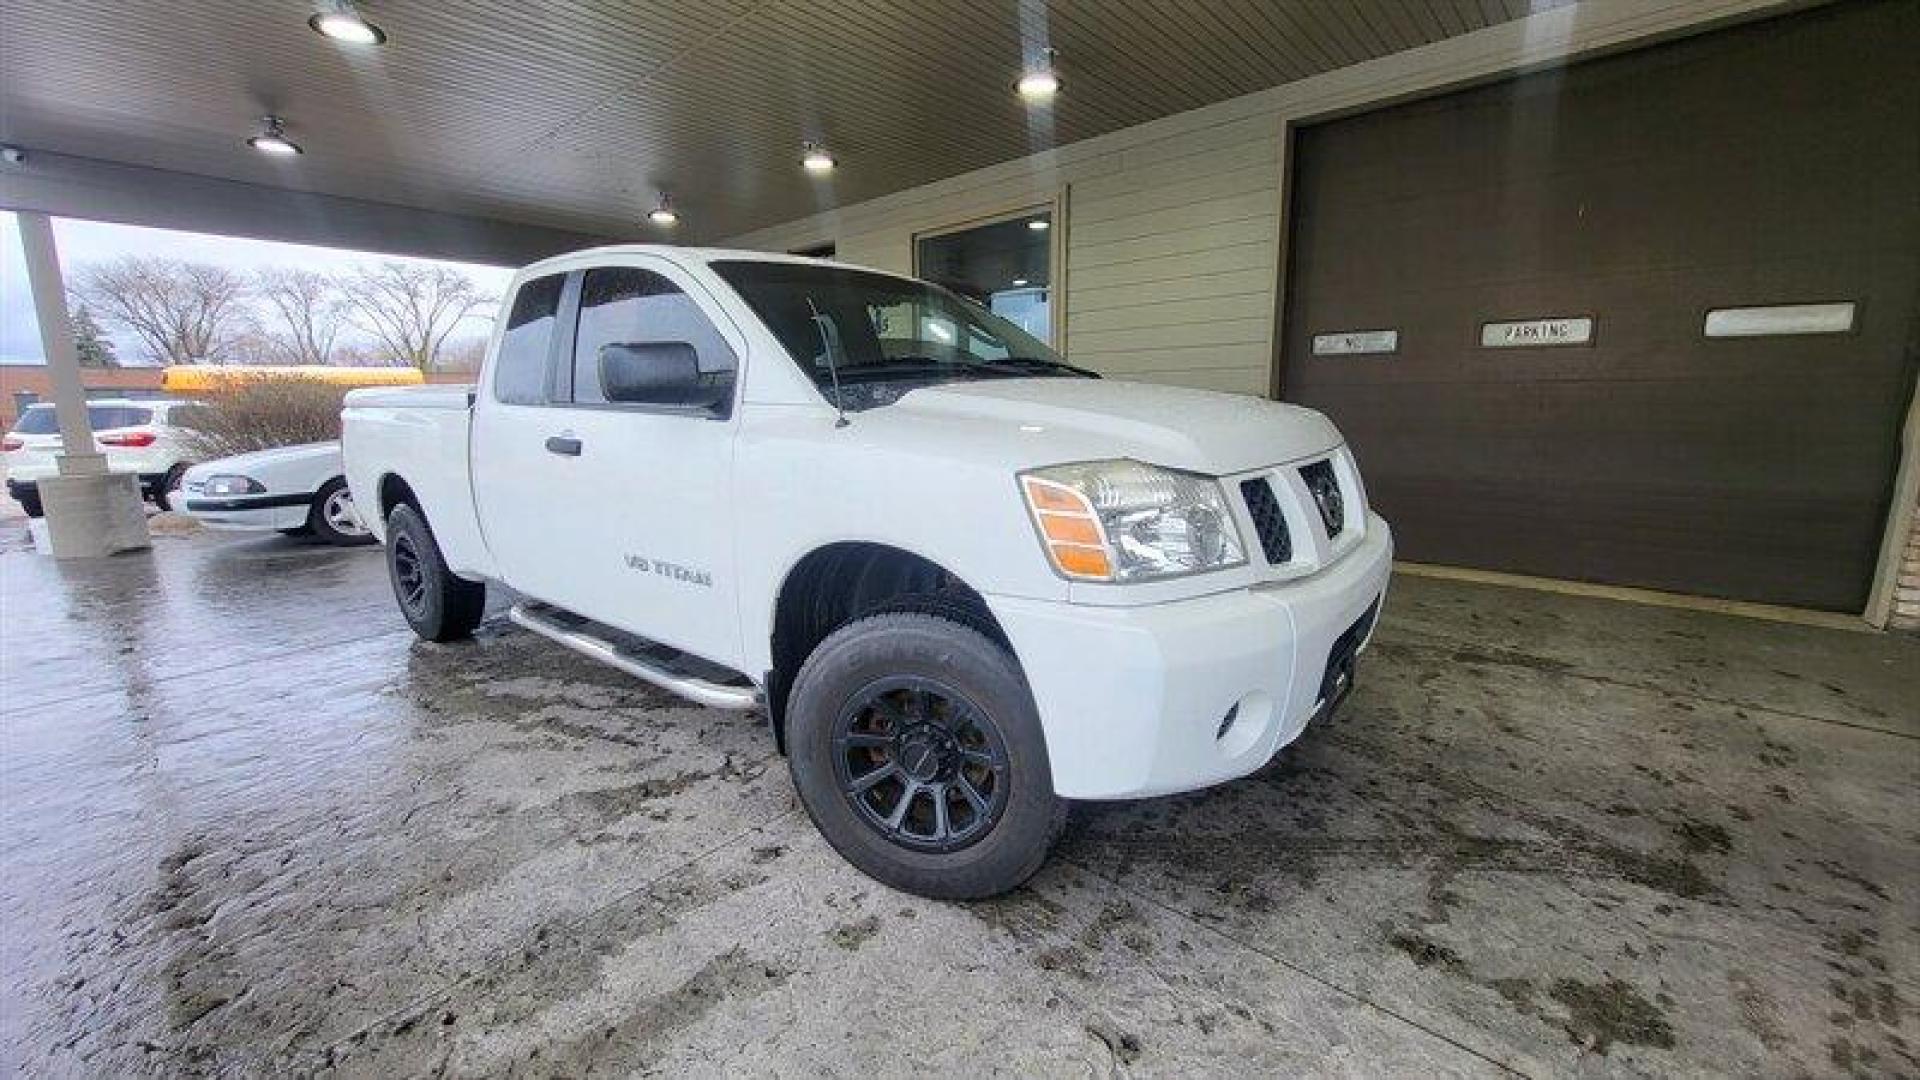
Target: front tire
(333, 518)
(439, 605)
(916, 748)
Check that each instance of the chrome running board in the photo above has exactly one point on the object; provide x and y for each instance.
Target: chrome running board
(579, 634)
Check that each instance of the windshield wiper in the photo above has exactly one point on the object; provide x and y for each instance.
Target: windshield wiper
(914, 367)
(1034, 363)
(1000, 366)
(1012, 367)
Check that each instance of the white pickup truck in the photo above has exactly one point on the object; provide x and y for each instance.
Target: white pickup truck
(965, 581)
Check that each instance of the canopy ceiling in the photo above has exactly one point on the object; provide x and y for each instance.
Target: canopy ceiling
(575, 115)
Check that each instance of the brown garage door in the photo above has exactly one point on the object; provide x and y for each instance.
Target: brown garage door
(1774, 163)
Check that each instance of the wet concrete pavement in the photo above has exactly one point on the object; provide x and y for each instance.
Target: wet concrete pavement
(250, 825)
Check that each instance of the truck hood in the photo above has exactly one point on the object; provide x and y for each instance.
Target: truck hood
(1062, 420)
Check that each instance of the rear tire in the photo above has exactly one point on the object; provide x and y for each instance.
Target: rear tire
(332, 517)
(439, 605)
(916, 748)
(29, 501)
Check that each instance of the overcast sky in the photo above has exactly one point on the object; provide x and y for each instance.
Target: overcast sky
(83, 242)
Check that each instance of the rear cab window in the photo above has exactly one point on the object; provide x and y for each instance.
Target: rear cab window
(526, 343)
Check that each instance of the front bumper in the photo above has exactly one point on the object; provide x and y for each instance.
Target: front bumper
(1133, 699)
(270, 511)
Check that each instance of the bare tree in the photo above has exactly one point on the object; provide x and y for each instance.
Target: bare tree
(411, 309)
(250, 343)
(308, 308)
(462, 354)
(360, 354)
(181, 312)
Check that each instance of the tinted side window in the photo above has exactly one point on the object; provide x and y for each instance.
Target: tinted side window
(520, 372)
(108, 417)
(628, 306)
(39, 420)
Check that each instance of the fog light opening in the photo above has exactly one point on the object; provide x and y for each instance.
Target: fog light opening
(1246, 725)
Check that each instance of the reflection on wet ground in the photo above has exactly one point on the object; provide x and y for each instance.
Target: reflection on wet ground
(249, 824)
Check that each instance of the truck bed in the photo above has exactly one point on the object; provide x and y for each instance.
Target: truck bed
(456, 396)
(414, 439)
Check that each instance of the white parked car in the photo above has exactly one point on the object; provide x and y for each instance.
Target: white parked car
(297, 490)
(965, 580)
(144, 436)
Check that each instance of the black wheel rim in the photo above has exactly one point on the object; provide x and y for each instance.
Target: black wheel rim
(920, 764)
(409, 576)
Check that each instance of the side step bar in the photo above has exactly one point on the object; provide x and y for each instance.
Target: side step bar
(547, 621)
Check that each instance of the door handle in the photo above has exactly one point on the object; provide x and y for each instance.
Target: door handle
(565, 445)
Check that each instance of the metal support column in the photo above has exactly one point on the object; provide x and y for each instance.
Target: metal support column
(90, 511)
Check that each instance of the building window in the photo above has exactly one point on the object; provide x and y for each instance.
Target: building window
(1006, 266)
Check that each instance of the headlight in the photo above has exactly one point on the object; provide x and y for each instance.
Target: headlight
(1125, 521)
(228, 484)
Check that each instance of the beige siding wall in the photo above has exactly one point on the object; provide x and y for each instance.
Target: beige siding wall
(1171, 231)
(1170, 247)
(1172, 255)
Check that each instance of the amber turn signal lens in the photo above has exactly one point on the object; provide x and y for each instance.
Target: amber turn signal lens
(1082, 561)
(1056, 498)
(1075, 542)
(1070, 529)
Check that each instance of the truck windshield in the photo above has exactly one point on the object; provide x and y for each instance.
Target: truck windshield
(885, 335)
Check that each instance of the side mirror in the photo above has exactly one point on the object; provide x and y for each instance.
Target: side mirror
(659, 373)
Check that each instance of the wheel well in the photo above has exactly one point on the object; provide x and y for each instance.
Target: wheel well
(840, 583)
(393, 492)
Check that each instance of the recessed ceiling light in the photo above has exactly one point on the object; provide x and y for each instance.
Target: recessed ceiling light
(663, 214)
(815, 159)
(341, 22)
(1019, 281)
(1038, 86)
(273, 138)
(1039, 224)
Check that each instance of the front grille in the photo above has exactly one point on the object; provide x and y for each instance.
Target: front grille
(1326, 495)
(1267, 519)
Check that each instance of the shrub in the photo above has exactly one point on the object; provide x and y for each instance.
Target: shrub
(265, 412)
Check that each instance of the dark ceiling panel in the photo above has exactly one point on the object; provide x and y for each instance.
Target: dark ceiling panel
(576, 115)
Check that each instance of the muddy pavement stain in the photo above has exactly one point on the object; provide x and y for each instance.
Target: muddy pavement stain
(251, 826)
(1500, 851)
(207, 870)
(741, 964)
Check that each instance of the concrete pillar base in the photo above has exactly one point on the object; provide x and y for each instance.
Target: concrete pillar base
(93, 515)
